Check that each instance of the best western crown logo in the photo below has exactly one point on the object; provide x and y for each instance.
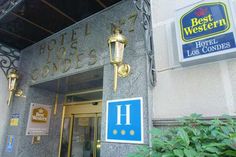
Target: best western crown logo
(40, 115)
(204, 20)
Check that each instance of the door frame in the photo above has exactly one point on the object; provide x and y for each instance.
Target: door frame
(80, 109)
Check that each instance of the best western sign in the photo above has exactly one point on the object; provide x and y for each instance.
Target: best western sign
(206, 31)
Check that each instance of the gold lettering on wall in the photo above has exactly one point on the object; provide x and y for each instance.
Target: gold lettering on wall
(65, 52)
(62, 38)
(54, 68)
(87, 30)
(45, 71)
(61, 53)
(128, 22)
(73, 47)
(92, 57)
(51, 46)
(66, 65)
(132, 20)
(79, 62)
(42, 48)
(74, 34)
(35, 74)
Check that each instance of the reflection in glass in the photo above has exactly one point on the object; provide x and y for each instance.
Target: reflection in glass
(98, 137)
(65, 137)
(83, 137)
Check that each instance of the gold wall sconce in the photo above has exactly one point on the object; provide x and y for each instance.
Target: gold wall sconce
(13, 77)
(116, 43)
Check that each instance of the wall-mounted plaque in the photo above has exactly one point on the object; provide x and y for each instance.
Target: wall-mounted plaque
(10, 143)
(14, 121)
(124, 121)
(39, 119)
(36, 139)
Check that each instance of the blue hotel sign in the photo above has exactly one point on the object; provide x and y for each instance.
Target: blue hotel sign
(205, 30)
(124, 121)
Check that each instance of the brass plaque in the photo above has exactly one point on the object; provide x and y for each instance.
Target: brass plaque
(39, 119)
(39, 115)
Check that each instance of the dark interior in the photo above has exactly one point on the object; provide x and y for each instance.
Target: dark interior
(33, 20)
(80, 82)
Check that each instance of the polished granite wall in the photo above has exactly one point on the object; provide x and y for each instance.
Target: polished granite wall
(44, 61)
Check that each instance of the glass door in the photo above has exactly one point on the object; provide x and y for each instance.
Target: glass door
(80, 132)
(85, 141)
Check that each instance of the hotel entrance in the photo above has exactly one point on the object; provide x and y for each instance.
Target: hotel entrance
(81, 127)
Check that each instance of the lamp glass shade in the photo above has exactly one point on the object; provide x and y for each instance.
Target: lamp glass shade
(116, 52)
(117, 43)
(12, 84)
(12, 78)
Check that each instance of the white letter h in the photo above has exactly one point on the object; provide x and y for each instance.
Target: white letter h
(127, 114)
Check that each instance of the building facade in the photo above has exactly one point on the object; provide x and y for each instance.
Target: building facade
(206, 88)
(67, 81)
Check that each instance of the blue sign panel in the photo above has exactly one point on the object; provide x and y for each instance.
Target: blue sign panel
(205, 32)
(10, 143)
(210, 45)
(204, 20)
(125, 121)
